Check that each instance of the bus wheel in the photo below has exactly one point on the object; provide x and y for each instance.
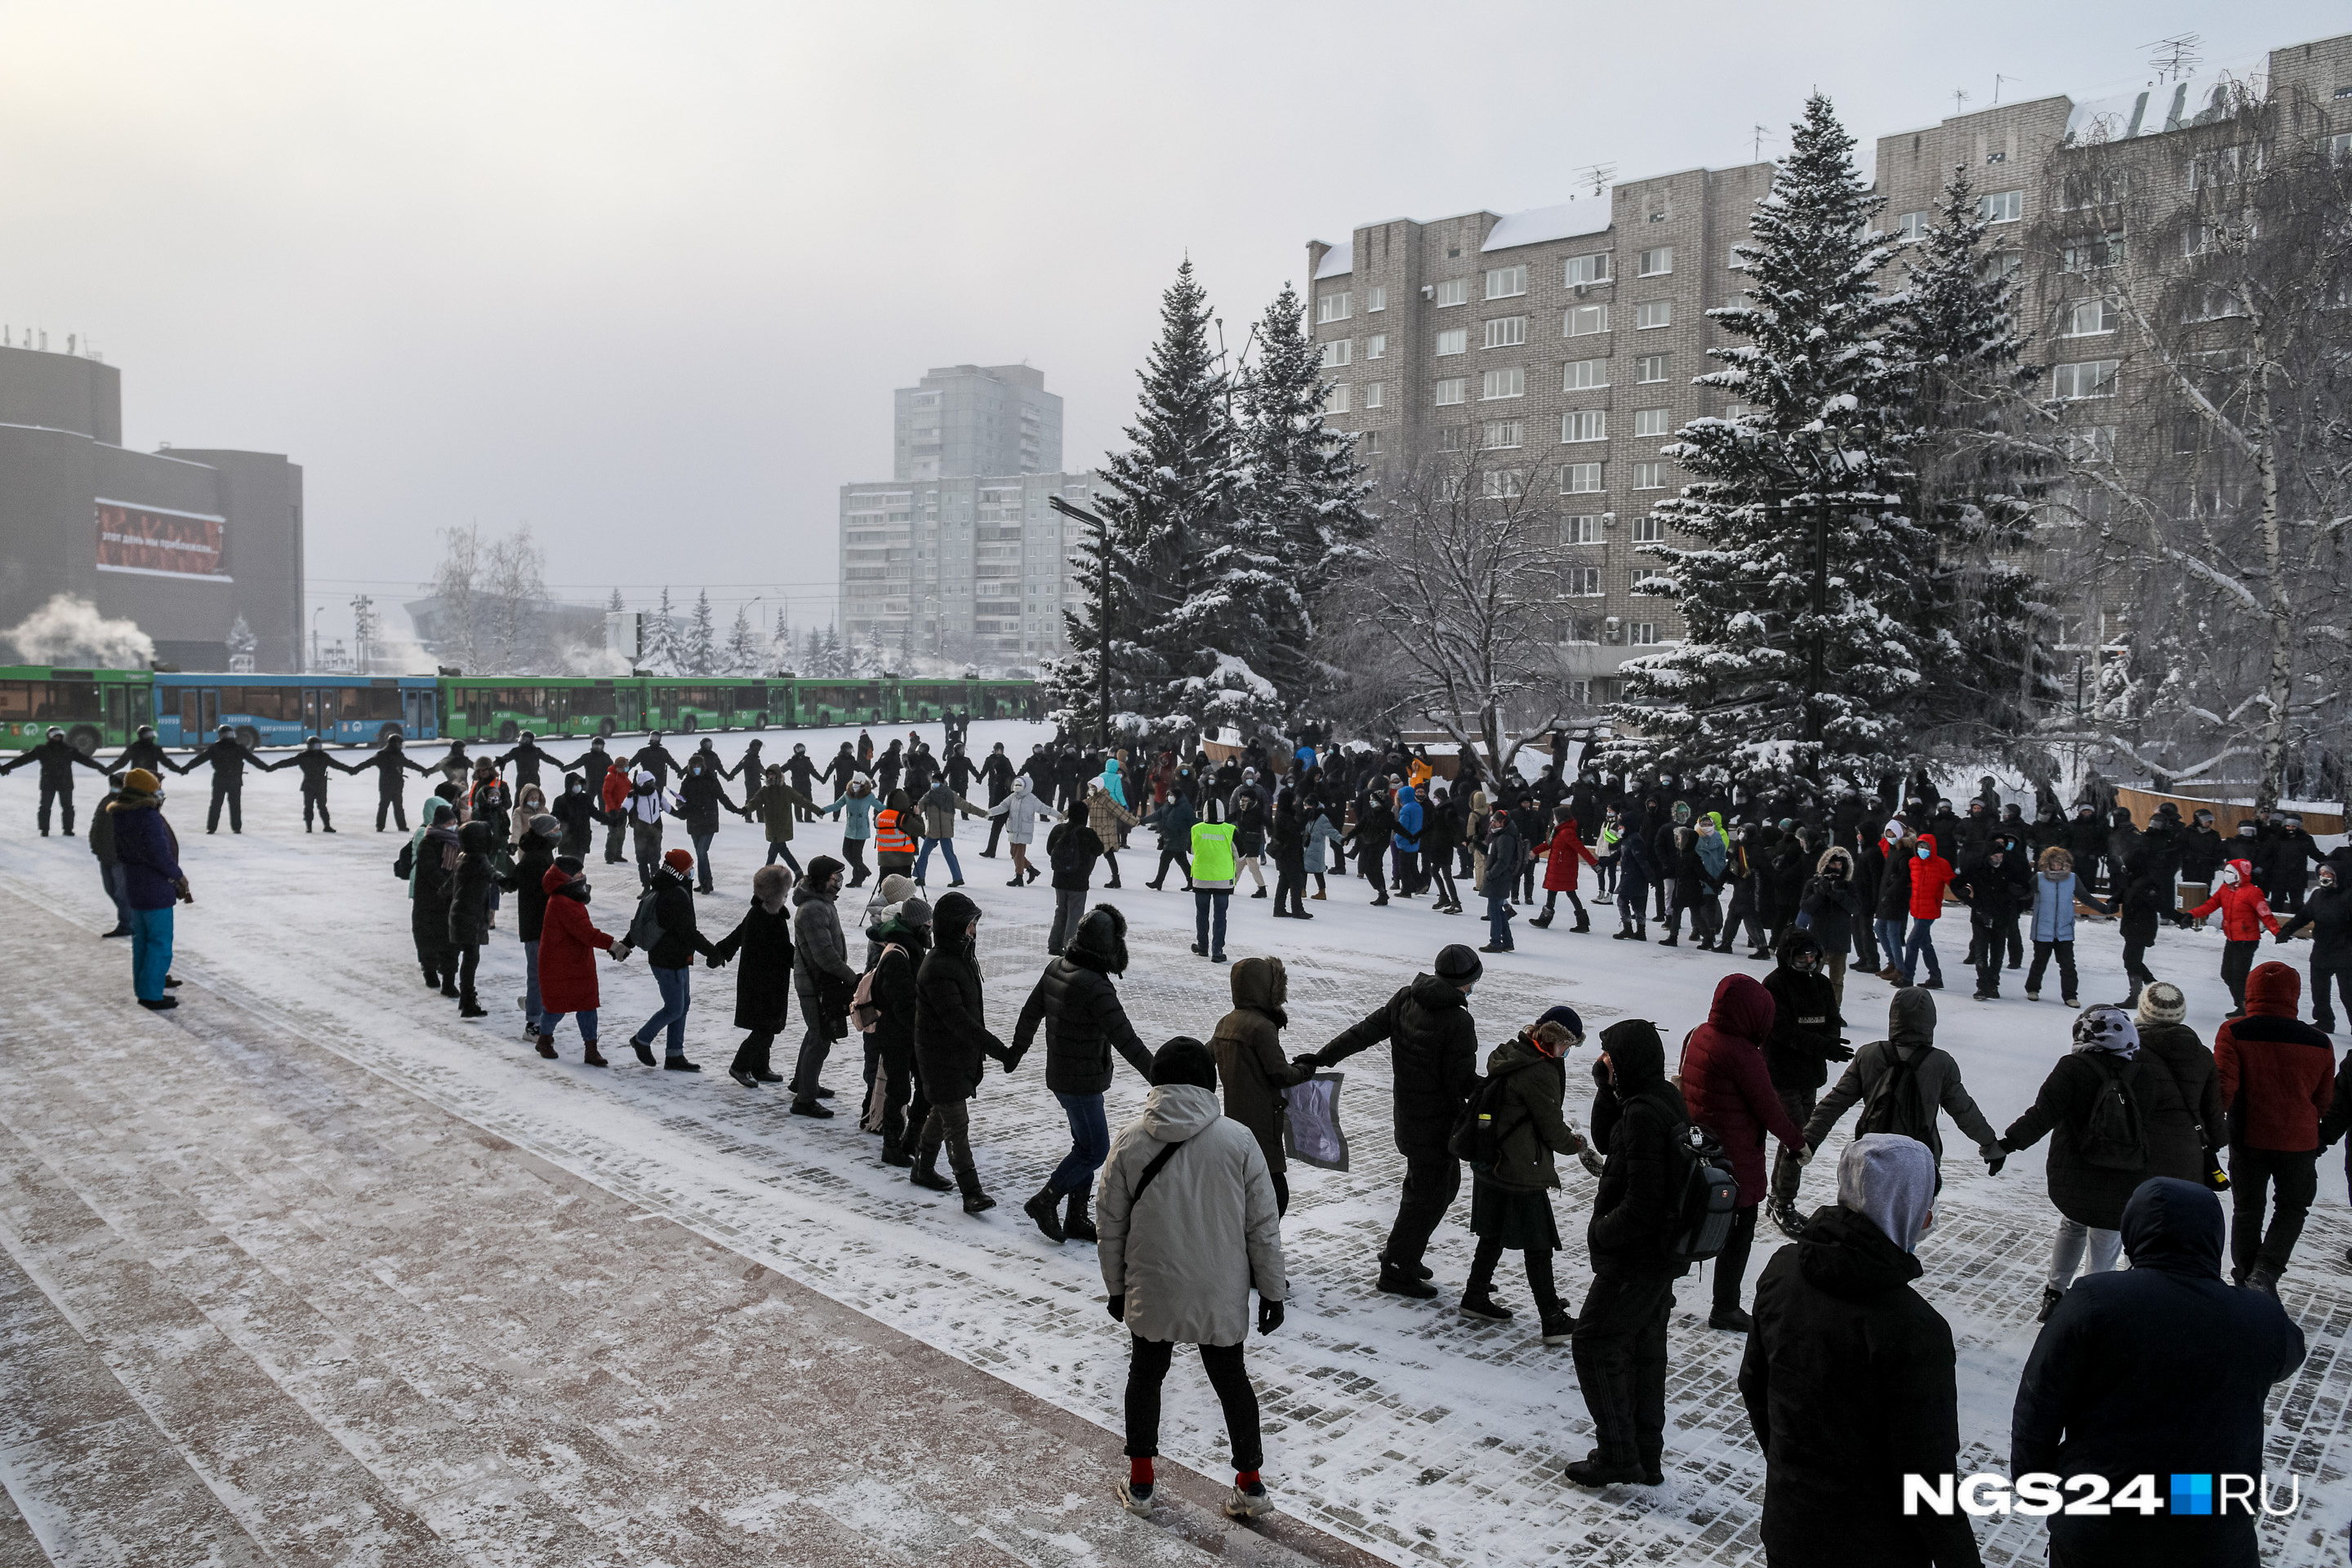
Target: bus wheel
(607, 728)
(248, 736)
(689, 723)
(390, 733)
(762, 723)
(507, 734)
(84, 739)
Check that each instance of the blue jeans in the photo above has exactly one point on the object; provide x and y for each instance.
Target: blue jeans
(1090, 1143)
(531, 980)
(1203, 904)
(945, 847)
(1499, 920)
(587, 1016)
(1923, 939)
(150, 952)
(781, 851)
(702, 857)
(676, 991)
(1890, 940)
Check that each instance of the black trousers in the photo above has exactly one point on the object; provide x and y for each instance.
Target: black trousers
(616, 828)
(2252, 1174)
(1447, 891)
(1147, 1369)
(2136, 969)
(1172, 858)
(1991, 939)
(62, 793)
(1621, 1363)
(645, 837)
(1290, 885)
(1431, 1183)
(1541, 1284)
(394, 806)
(752, 1056)
(318, 803)
(2237, 962)
(1281, 1180)
(2323, 1004)
(1786, 1172)
(1731, 1263)
(469, 958)
(2042, 952)
(995, 831)
(231, 790)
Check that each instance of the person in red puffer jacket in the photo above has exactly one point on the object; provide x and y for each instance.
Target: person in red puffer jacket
(2244, 913)
(1930, 873)
(2278, 1079)
(568, 943)
(1729, 1091)
(616, 794)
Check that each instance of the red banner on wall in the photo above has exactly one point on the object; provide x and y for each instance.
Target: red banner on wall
(142, 541)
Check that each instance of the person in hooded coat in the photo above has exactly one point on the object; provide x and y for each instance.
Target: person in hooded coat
(568, 943)
(526, 879)
(2187, 1126)
(430, 863)
(1085, 1022)
(1562, 856)
(1806, 1037)
(1180, 1268)
(763, 987)
(1851, 1379)
(2090, 1181)
(1248, 1045)
(904, 935)
(147, 859)
(1927, 1084)
(1327, 846)
(1288, 841)
(1835, 911)
(822, 979)
(475, 881)
(1634, 875)
(2277, 1075)
(1510, 1201)
(952, 1048)
(1172, 820)
(1728, 1090)
(2111, 1388)
(2245, 913)
(1930, 875)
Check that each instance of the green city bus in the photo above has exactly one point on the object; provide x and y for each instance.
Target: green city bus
(95, 708)
(500, 708)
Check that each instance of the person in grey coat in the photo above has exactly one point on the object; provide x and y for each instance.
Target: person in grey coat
(822, 978)
(1934, 1085)
(1188, 1229)
(1021, 811)
(939, 807)
(1327, 850)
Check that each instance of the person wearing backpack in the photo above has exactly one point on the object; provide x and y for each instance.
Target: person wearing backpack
(1071, 850)
(2089, 1105)
(1728, 1090)
(1215, 866)
(822, 979)
(669, 905)
(1619, 1339)
(1251, 1067)
(1433, 1059)
(1514, 1127)
(1189, 1229)
(1851, 1379)
(1805, 1038)
(1085, 1022)
(2278, 1077)
(1903, 1082)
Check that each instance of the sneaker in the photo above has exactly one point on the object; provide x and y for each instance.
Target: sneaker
(2051, 1297)
(1249, 1502)
(1730, 1319)
(2070, 1002)
(1986, 996)
(1786, 1219)
(1559, 1330)
(2033, 996)
(1485, 1308)
(1136, 1498)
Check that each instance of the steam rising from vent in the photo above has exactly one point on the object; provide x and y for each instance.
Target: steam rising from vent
(69, 630)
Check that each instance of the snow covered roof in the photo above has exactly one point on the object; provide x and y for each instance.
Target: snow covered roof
(1337, 261)
(2158, 107)
(1569, 219)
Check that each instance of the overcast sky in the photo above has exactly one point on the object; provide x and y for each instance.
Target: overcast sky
(644, 276)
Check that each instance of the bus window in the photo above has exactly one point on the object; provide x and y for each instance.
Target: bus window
(191, 723)
(142, 704)
(118, 707)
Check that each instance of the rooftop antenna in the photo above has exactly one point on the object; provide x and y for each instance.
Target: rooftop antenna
(1760, 132)
(1960, 99)
(2175, 56)
(1597, 175)
(1998, 79)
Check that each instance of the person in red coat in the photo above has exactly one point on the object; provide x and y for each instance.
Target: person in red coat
(1561, 858)
(2244, 913)
(1729, 1091)
(1930, 873)
(568, 941)
(2278, 1074)
(616, 794)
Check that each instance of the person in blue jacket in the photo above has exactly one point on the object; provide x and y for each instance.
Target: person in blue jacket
(148, 854)
(1404, 843)
(2055, 891)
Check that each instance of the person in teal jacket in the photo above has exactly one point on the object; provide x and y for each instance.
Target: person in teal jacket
(857, 826)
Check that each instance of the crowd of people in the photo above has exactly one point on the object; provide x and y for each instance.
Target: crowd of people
(1849, 1374)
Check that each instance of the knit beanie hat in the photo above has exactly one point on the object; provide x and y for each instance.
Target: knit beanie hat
(678, 860)
(1458, 965)
(2162, 1003)
(546, 827)
(1566, 1017)
(915, 915)
(140, 780)
(1184, 1059)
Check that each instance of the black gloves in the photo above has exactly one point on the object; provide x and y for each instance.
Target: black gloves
(1116, 1305)
(1995, 1157)
(1269, 1315)
(1840, 1052)
(1308, 1062)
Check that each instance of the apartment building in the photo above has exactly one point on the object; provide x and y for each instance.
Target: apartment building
(1561, 343)
(964, 420)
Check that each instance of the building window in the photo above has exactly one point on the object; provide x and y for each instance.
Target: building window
(1648, 530)
(1656, 313)
(1334, 307)
(1506, 332)
(1650, 370)
(1649, 476)
(1581, 529)
(1650, 421)
(1736, 411)
(1376, 297)
(1585, 425)
(1644, 577)
(1645, 634)
(1339, 351)
(1506, 282)
(1454, 291)
(1335, 398)
(1368, 443)
(2197, 238)
(1583, 321)
(2096, 443)
(1377, 346)
(1999, 266)
(2092, 255)
(2090, 378)
(1580, 478)
(2001, 206)
(1584, 374)
(2089, 318)
(1376, 394)
(1582, 270)
(1453, 342)
(1503, 484)
(1511, 382)
(1499, 433)
(1911, 225)
(1657, 262)
(1451, 390)
(1454, 438)
(1580, 583)
(1734, 261)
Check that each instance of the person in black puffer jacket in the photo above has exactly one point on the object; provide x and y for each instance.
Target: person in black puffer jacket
(1621, 1335)
(1851, 1380)
(672, 962)
(1084, 1022)
(2328, 913)
(1433, 1059)
(1805, 1038)
(476, 881)
(700, 796)
(896, 1102)
(533, 857)
(763, 987)
(2187, 1125)
(953, 1048)
(1834, 910)
(2089, 1197)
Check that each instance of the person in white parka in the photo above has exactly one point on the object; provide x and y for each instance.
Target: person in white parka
(1021, 811)
(1188, 1227)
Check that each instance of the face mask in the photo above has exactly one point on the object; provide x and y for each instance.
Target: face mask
(1923, 852)
(2230, 876)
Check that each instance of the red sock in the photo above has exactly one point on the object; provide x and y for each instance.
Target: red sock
(1138, 1471)
(1245, 1479)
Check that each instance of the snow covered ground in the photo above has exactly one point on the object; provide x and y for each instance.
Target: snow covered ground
(1395, 1424)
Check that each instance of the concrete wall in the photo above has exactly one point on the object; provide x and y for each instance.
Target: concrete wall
(261, 495)
(61, 392)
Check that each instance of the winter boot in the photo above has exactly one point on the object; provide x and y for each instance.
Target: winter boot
(679, 1064)
(1596, 1470)
(470, 1006)
(1479, 1301)
(974, 1200)
(1730, 1319)
(2265, 1280)
(449, 987)
(925, 1173)
(1541, 921)
(804, 1106)
(1405, 1282)
(1671, 939)
(893, 1154)
(2051, 1297)
(1075, 1224)
(546, 1044)
(1584, 921)
(1046, 1208)
(590, 1056)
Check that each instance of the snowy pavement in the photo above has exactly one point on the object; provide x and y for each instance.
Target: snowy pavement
(1396, 1425)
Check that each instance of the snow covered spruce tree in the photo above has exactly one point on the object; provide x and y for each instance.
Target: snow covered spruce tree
(1299, 504)
(1807, 586)
(698, 651)
(657, 639)
(1979, 471)
(741, 656)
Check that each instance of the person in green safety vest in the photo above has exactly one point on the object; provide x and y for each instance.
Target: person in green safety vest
(1214, 864)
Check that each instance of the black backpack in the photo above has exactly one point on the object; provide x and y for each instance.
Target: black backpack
(1477, 1137)
(1709, 1201)
(2113, 1135)
(1893, 1103)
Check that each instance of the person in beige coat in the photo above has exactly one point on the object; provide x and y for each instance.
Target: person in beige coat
(1187, 1228)
(1107, 818)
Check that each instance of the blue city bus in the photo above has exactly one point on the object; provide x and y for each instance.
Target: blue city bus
(287, 710)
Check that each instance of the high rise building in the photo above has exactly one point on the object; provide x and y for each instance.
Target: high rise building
(963, 421)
